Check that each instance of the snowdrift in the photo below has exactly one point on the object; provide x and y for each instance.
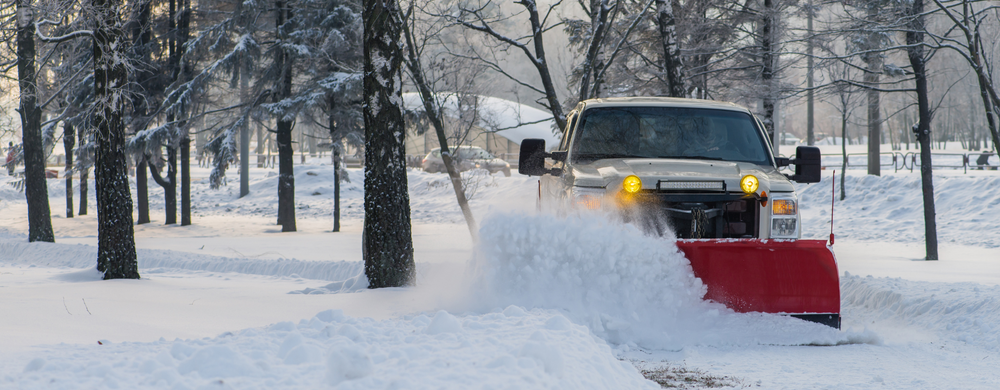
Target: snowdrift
(508, 349)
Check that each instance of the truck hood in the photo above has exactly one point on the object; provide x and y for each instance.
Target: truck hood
(609, 173)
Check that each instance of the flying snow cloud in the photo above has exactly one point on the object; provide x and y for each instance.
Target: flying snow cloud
(629, 288)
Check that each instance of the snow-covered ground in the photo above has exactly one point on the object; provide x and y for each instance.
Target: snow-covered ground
(541, 302)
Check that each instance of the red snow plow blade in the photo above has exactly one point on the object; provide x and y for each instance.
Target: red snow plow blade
(795, 277)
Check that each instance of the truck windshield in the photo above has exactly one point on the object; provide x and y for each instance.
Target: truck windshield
(665, 132)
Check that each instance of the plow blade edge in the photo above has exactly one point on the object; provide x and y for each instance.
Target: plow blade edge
(797, 277)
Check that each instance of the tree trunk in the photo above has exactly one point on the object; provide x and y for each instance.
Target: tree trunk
(599, 24)
(141, 37)
(185, 140)
(768, 69)
(142, 191)
(672, 65)
(244, 140)
(84, 178)
(36, 189)
(116, 255)
(335, 150)
(387, 244)
(915, 52)
(170, 191)
(843, 151)
(873, 62)
(286, 156)
(541, 64)
(874, 123)
(336, 187)
(286, 177)
(69, 141)
(185, 181)
(169, 185)
(810, 94)
(260, 146)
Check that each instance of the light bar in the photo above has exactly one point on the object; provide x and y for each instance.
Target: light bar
(691, 185)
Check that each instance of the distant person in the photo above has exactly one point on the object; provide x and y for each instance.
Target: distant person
(10, 159)
(982, 161)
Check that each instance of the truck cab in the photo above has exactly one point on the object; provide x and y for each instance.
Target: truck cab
(696, 168)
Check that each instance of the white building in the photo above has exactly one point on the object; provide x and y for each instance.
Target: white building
(494, 124)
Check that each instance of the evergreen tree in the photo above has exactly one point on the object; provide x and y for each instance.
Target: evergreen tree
(35, 186)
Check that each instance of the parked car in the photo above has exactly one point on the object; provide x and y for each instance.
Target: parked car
(466, 158)
(788, 139)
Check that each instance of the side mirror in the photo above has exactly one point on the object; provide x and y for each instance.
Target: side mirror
(807, 164)
(531, 160)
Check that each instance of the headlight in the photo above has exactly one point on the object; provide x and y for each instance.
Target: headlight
(784, 216)
(588, 198)
(783, 228)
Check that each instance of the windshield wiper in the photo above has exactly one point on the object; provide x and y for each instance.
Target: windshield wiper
(693, 158)
(598, 156)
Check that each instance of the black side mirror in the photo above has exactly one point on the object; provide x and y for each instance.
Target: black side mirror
(807, 164)
(531, 160)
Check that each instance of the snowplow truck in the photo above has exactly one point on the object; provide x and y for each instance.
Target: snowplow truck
(703, 171)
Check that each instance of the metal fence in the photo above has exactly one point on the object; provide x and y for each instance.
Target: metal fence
(898, 161)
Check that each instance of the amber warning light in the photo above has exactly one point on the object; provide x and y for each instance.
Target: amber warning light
(749, 184)
(632, 184)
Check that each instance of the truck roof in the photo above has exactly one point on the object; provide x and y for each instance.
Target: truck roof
(650, 101)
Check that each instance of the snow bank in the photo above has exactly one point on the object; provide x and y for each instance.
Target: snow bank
(432, 198)
(17, 252)
(966, 312)
(512, 349)
(629, 289)
(890, 207)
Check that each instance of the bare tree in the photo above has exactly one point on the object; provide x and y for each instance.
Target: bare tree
(869, 39)
(432, 108)
(845, 102)
(532, 46)
(918, 60)
(969, 22)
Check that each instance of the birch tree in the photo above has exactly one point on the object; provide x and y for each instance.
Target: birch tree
(672, 66)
